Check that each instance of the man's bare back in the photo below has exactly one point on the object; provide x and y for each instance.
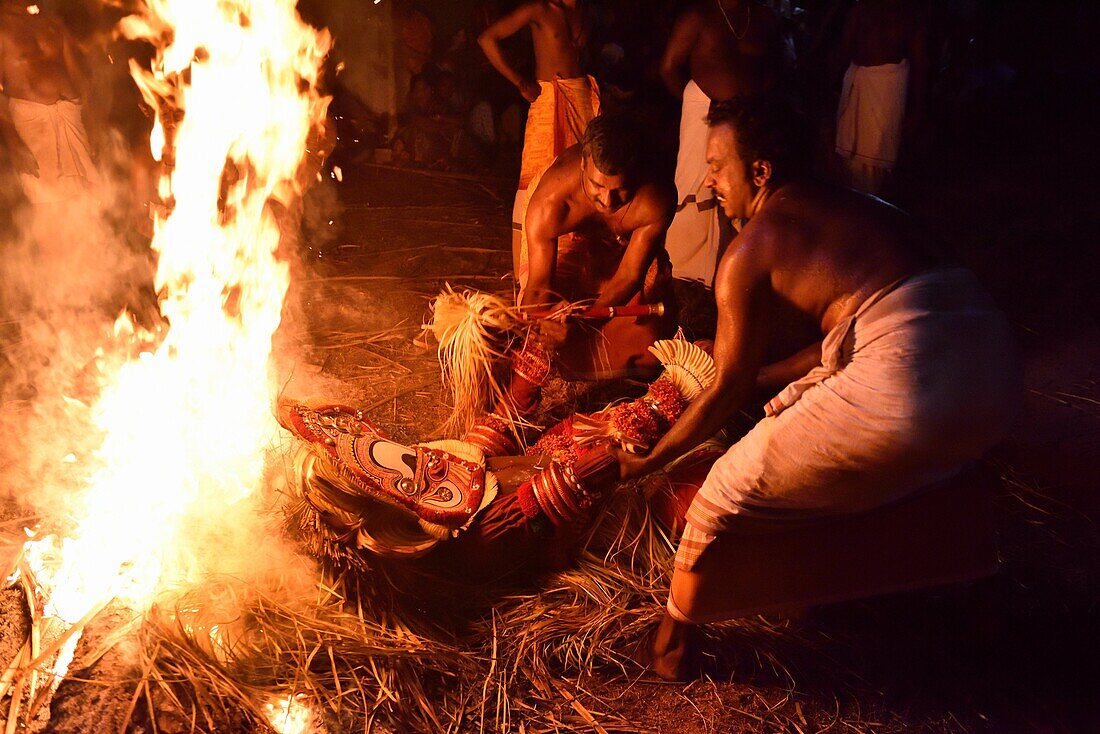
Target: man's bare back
(570, 199)
(882, 32)
(728, 47)
(823, 250)
(817, 250)
(36, 61)
(559, 34)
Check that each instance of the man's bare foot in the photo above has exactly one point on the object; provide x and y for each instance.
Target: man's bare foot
(669, 651)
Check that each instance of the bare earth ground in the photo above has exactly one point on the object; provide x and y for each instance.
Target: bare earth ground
(1014, 653)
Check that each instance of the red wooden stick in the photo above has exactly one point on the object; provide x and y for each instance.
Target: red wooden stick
(604, 312)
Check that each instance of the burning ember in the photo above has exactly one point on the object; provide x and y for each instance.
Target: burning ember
(187, 423)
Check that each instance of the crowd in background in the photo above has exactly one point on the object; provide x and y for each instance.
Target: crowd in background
(459, 114)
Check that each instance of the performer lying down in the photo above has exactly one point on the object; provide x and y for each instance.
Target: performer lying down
(362, 492)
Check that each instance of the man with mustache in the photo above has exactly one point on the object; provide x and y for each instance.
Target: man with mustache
(594, 231)
(718, 49)
(914, 377)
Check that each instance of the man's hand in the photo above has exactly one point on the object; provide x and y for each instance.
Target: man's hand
(552, 333)
(631, 466)
(530, 90)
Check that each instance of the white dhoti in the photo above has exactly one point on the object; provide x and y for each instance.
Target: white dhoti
(919, 381)
(869, 121)
(55, 135)
(693, 237)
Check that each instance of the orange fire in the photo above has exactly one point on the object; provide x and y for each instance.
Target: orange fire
(188, 423)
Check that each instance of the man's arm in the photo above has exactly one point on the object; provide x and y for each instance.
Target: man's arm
(21, 155)
(685, 33)
(646, 241)
(74, 63)
(507, 26)
(777, 375)
(741, 294)
(543, 225)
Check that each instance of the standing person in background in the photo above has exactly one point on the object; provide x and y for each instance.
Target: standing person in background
(563, 99)
(41, 119)
(883, 94)
(719, 49)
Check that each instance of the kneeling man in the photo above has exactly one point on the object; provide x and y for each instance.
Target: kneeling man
(914, 378)
(594, 231)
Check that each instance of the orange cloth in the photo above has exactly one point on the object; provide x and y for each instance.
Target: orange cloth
(556, 120)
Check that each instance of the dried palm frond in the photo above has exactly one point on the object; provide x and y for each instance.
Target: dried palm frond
(689, 367)
(228, 651)
(472, 328)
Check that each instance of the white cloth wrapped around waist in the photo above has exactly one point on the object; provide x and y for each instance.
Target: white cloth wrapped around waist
(870, 113)
(691, 158)
(919, 381)
(55, 135)
(693, 237)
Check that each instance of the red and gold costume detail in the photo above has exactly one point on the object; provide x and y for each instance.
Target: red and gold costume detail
(496, 433)
(441, 487)
(581, 468)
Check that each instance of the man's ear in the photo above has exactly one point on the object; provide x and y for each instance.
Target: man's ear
(761, 172)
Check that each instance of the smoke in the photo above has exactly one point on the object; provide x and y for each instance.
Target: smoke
(68, 269)
(67, 272)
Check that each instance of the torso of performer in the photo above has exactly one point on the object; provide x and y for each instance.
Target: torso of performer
(36, 63)
(559, 34)
(733, 47)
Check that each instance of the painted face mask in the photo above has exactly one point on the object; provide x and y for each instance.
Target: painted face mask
(436, 486)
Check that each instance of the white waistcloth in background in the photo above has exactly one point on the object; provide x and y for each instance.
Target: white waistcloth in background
(693, 237)
(870, 113)
(56, 137)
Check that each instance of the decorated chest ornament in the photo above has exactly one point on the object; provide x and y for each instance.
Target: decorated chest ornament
(581, 468)
(369, 492)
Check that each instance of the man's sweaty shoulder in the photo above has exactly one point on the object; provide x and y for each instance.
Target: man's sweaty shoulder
(653, 203)
(549, 203)
(560, 179)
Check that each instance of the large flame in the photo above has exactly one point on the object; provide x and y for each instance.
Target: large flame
(188, 422)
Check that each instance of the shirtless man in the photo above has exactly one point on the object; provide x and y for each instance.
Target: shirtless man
(719, 49)
(884, 51)
(562, 98)
(40, 113)
(595, 231)
(913, 379)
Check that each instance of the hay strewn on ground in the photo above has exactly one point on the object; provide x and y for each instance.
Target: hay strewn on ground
(1014, 653)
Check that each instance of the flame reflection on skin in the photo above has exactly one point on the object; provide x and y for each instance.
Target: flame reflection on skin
(186, 422)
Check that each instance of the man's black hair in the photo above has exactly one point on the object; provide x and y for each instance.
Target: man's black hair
(768, 128)
(612, 143)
